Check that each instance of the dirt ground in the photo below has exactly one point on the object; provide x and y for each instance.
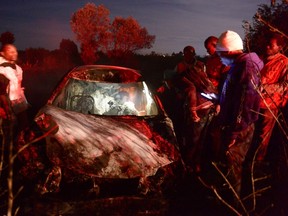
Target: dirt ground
(191, 198)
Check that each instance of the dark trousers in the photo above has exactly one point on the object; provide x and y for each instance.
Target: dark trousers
(195, 134)
(236, 155)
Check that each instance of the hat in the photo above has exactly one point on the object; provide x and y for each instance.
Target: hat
(229, 41)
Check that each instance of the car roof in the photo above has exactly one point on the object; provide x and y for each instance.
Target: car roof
(105, 73)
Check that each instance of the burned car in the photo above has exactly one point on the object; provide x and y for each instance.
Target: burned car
(102, 123)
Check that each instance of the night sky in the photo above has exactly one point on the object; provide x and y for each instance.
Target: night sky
(175, 23)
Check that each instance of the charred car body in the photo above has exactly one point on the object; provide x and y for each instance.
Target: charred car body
(102, 123)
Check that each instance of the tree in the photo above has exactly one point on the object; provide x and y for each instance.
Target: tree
(91, 26)
(93, 30)
(273, 2)
(35, 57)
(70, 50)
(7, 38)
(267, 20)
(128, 36)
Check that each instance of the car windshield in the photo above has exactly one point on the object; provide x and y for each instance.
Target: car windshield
(101, 98)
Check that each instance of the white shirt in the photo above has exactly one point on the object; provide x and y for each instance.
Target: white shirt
(14, 90)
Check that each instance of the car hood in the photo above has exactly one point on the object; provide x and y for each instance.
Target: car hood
(106, 147)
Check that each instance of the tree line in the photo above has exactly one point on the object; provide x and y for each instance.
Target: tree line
(103, 41)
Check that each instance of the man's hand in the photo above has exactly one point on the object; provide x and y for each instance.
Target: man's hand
(217, 109)
(161, 89)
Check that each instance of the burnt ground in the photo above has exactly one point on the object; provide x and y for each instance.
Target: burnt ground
(189, 198)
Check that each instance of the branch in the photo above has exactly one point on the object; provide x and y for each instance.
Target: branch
(33, 141)
(231, 187)
(214, 189)
(274, 29)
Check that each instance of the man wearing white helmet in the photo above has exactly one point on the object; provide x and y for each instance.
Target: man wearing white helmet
(239, 101)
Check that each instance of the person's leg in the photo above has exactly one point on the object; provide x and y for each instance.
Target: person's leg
(196, 136)
(236, 156)
(264, 129)
(192, 103)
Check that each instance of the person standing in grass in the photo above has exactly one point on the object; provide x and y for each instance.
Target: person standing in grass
(239, 101)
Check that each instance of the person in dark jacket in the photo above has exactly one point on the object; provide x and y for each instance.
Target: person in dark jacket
(239, 101)
(192, 81)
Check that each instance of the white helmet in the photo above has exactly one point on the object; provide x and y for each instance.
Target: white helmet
(229, 41)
